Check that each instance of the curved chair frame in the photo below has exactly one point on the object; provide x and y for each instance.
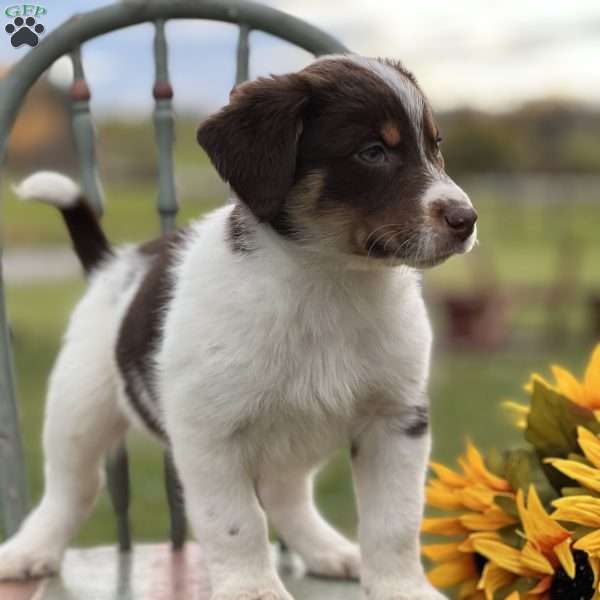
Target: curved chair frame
(67, 40)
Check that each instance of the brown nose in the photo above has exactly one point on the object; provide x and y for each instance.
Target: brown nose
(461, 220)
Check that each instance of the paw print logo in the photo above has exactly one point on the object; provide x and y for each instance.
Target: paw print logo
(24, 31)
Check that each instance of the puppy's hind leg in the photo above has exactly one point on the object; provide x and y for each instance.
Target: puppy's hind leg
(82, 422)
(289, 503)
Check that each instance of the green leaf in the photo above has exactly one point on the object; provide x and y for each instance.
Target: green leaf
(552, 422)
(508, 505)
(521, 585)
(580, 531)
(523, 468)
(578, 491)
(496, 462)
(578, 458)
(510, 536)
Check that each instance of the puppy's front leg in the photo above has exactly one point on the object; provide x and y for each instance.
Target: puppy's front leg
(227, 519)
(389, 461)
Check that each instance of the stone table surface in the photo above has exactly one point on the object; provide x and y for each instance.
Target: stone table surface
(151, 572)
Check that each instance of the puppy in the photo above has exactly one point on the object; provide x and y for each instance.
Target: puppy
(260, 339)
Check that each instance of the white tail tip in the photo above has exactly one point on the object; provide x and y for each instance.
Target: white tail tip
(49, 187)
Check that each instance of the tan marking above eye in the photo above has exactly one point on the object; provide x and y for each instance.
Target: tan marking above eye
(390, 134)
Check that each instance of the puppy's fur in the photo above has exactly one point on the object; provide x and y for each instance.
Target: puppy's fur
(260, 339)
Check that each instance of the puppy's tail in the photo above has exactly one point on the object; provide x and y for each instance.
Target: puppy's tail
(89, 242)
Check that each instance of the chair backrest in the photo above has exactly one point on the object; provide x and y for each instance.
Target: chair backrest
(67, 40)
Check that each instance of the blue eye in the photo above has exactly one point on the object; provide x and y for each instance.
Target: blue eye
(373, 154)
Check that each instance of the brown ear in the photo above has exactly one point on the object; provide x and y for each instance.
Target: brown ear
(252, 141)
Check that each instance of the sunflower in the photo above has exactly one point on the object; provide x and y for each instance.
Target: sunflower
(544, 563)
(470, 497)
(585, 393)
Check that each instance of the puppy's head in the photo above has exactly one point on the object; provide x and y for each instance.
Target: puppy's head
(343, 157)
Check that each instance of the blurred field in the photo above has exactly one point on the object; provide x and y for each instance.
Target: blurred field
(523, 238)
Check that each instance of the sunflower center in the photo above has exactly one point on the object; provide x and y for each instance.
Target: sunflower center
(580, 588)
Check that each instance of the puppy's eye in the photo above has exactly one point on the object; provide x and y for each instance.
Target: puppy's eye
(373, 154)
(438, 140)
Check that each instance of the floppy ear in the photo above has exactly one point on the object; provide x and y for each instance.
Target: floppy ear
(252, 141)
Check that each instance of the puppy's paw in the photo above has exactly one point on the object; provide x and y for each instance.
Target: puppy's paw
(20, 562)
(403, 589)
(341, 562)
(415, 594)
(254, 595)
(269, 590)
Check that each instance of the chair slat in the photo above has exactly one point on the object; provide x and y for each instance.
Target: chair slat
(14, 497)
(164, 127)
(117, 479)
(84, 133)
(242, 70)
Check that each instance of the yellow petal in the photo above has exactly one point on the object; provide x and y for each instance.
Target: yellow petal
(513, 596)
(540, 529)
(439, 496)
(519, 412)
(591, 378)
(443, 526)
(583, 510)
(494, 578)
(590, 444)
(467, 590)
(506, 557)
(534, 560)
(453, 572)
(587, 476)
(448, 476)
(567, 385)
(543, 586)
(477, 498)
(442, 552)
(481, 473)
(565, 557)
(468, 544)
(589, 543)
(490, 520)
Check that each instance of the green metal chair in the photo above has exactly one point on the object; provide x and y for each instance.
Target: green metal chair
(86, 572)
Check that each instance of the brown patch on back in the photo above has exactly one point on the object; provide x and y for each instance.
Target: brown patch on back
(390, 134)
(141, 330)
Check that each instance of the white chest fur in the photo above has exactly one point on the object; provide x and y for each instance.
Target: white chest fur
(260, 341)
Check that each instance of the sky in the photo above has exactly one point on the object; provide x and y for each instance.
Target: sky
(491, 55)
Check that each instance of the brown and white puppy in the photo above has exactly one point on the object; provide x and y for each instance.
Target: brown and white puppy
(263, 337)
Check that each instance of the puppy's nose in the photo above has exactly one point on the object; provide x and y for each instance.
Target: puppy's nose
(461, 219)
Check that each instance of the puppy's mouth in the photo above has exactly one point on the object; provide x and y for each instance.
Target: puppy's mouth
(420, 252)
